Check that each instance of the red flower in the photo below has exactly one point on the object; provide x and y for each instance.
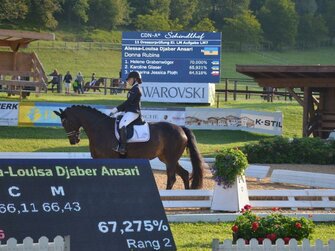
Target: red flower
(286, 240)
(255, 226)
(298, 225)
(260, 240)
(247, 207)
(275, 209)
(234, 228)
(246, 242)
(272, 237)
(242, 210)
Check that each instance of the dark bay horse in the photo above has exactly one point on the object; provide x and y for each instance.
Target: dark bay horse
(167, 142)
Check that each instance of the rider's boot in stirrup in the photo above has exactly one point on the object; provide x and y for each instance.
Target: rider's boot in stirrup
(123, 140)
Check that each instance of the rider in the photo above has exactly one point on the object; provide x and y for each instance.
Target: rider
(131, 107)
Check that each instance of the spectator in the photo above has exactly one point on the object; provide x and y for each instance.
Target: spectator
(67, 81)
(80, 80)
(55, 79)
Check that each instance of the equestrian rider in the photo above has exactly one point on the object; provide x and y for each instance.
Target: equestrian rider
(131, 107)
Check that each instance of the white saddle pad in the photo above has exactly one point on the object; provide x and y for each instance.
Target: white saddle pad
(141, 133)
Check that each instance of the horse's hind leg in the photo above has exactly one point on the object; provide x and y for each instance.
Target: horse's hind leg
(184, 176)
(171, 175)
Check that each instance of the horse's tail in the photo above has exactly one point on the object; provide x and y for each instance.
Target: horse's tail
(196, 159)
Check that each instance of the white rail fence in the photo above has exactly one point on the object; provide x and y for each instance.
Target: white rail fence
(240, 245)
(294, 199)
(43, 244)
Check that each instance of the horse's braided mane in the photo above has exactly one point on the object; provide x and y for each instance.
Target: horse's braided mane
(87, 108)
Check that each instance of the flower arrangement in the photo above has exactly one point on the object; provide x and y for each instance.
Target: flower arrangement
(273, 226)
(229, 164)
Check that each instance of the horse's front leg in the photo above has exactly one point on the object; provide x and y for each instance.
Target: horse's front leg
(171, 175)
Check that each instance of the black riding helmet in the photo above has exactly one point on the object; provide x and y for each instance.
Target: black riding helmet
(136, 75)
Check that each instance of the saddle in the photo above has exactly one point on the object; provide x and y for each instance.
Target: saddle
(137, 131)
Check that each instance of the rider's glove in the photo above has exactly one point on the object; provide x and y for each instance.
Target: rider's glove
(114, 110)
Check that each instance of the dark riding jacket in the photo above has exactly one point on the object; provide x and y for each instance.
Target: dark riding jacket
(133, 102)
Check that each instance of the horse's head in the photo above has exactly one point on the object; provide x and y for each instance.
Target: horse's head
(71, 125)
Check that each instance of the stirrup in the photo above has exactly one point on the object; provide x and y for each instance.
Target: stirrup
(116, 148)
(122, 151)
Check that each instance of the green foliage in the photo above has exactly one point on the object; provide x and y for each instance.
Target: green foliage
(12, 10)
(312, 30)
(80, 9)
(152, 22)
(108, 14)
(273, 226)
(229, 164)
(183, 10)
(204, 25)
(199, 235)
(243, 28)
(282, 15)
(41, 13)
(296, 151)
(327, 9)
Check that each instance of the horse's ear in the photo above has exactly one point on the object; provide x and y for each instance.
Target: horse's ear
(61, 111)
(57, 113)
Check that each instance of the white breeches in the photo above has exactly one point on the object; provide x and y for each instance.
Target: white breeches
(127, 118)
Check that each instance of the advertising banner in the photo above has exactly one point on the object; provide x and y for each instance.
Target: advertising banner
(9, 113)
(178, 57)
(178, 93)
(234, 119)
(41, 114)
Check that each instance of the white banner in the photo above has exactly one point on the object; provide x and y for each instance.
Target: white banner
(174, 115)
(178, 93)
(9, 113)
(234, 119)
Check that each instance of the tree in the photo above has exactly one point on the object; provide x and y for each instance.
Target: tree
(306, 6)
(279, 22)
(244, 28)
(160, 6)
(204, 25)
(312, 30)
(327, 9)
(152, 22)
(74, 11)
(256, 5)
(108, 14)
(41, 13)
(183, 10)
(12, 10)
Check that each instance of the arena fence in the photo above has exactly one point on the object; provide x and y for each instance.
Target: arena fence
(265, 199)
(43, 244)
(240, 245)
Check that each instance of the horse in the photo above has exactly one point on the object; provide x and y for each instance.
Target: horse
(167, 142)
(95, 86)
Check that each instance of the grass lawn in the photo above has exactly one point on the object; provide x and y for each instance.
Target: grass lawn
(108, 62)
(198, 236)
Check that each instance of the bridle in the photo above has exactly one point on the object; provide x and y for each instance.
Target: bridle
(73, 133)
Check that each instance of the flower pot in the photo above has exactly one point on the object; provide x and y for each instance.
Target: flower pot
(231, 199)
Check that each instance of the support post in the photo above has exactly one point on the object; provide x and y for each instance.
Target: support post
(226, 91)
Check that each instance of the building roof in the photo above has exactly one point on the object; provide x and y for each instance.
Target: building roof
(294, 76)
(20, 39)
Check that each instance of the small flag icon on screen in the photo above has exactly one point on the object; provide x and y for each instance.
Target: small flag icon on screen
(215, 68)
(210, 51)
(215, 73)
(216, 62)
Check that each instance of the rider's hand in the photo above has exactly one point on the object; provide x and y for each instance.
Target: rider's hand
(114, 110)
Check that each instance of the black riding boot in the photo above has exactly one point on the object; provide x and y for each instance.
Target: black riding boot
(123, 140)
